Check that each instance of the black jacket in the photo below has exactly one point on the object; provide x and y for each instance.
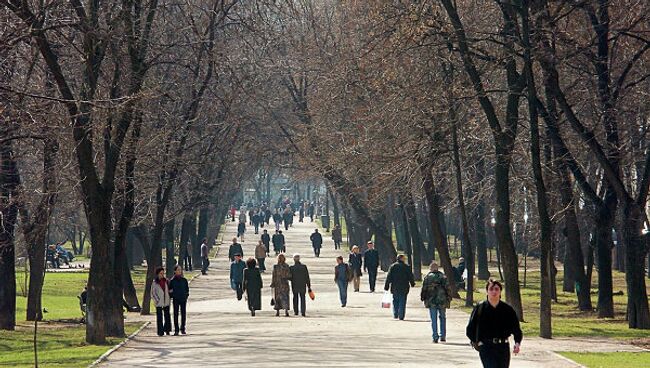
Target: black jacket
(235, 248)
(179, 289)
(266, 238)
(316, 240)
(399, 278)
(299, 278)
(371, 259)
(356, 261)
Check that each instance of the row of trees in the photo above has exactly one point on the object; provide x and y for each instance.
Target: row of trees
(423, 116)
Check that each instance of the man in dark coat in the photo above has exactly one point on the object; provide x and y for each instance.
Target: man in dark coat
(235, 248)
(277, 242)
(337, 236)
(399, 280)
(179, 290)
(266, 240)
(370, 264)
(316, 242)
(282, 242)
(299, 284)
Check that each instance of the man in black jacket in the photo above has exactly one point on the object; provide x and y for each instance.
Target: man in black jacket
(399, 280)
(235, 248)
(266, 240)
(179, 290)
(370, 264)
(316, 242)
(299, 284)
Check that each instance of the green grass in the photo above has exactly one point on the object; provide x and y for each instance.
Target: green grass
(607, 360)
(59, 345)
(567, 320)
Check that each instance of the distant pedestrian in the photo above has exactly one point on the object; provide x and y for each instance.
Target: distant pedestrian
(342, 274)
(162, 300)
(187, 258)
(242, 214)
(337, 236)
(356, 261)
(205, 254)
(312, 211)
(250, 216)
(370, 264)
(436, 296)
(301, 213)
(277, 219)
(300, 284)
(490, 325)
(260, 255)
(280, 285)
(257, 220)
(287, 217)
(277, 242)
(233, 210)
(399, 280)
(253, 286)
(241, 229)
(282, 242)
(237, 275)
(266, 239)
(316, 242)
(235, 248)
(267, 215)
(180, 291)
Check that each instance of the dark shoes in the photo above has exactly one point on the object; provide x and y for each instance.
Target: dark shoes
(183, 332)
(435, 341)
(176, 333)
(253, 313)
(442, 339)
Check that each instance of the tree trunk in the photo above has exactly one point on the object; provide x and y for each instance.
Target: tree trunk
(638, 314)
(603, 238)
(335, 208)
(170, 257)
(506, 246)
(416, 238)
(440, 237)
(9, 182)
(481, 241)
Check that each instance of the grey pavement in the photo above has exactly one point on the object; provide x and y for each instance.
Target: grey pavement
(222, 333)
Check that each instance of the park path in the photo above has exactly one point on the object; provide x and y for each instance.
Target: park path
(222, 333)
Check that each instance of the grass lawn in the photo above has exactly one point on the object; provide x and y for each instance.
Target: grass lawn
(61, 341)
(59, 345)
(606, 360)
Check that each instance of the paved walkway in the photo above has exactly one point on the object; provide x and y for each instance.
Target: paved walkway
(222, 333)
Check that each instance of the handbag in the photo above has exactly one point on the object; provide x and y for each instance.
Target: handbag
(312, 296)
(386, 300)
(272, 302)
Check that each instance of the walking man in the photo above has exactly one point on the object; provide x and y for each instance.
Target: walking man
(179, 290)
(266, 240)
(436, 296)
(370, 264)
(299, 284)
(490, 325)
(277, 242)
(237, 275)
(235, 248)
(337, 236)
(398, 281)
(283, 244)
(205, 253)
(316, 242)
(187, 259)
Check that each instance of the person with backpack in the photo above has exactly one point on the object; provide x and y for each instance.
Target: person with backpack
(399, 280)
(490, 325)
(436, 296)
(342, 276)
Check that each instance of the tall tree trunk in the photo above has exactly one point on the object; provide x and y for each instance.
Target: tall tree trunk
(9, 182)
(35, 231)
(170, 259)
(638, 314)
(416, 238)
(335, 208)
(603, 237)
(440, 237)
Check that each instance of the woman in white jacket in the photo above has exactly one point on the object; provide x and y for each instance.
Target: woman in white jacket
(161, 298)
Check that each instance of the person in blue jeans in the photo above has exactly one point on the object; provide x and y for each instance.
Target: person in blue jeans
(398, 281)
(436, 296)
(341, 272)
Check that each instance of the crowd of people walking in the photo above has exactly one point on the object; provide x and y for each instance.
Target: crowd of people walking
(491, 324)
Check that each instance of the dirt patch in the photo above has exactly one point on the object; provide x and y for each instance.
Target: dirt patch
(643, 343)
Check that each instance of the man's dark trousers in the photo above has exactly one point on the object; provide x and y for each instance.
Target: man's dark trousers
(399, 306)
(495, 355)
(300, 295)
(205, 262)
(182, 306)
(372, 277)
